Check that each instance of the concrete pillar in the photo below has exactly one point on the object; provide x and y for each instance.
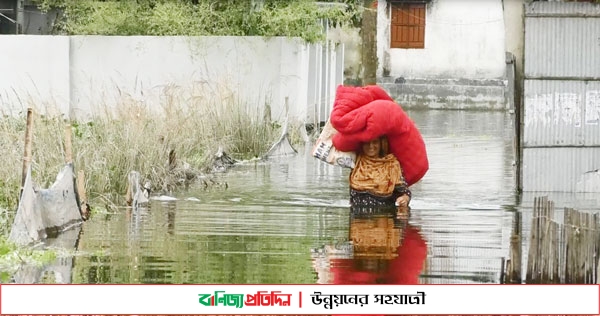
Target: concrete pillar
(368, 34)
(514, 24)
(20, 16)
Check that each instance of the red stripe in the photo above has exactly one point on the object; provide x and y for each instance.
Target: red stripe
(300, 299)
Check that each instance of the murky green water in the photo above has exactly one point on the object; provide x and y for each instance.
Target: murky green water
(263, 227)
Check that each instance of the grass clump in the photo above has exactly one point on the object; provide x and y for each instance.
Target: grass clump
(134, 137)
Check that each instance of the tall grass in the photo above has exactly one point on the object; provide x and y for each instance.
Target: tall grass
(134, 137)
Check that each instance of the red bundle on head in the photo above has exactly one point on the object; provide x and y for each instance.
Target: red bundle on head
(363, 113)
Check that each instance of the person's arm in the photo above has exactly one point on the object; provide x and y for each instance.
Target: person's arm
(402, 194)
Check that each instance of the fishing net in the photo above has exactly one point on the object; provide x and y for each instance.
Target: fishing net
(45, 213)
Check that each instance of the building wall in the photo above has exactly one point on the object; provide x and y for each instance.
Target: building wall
(463, 39)
(463, 64)
(8, 8)
(84, 76)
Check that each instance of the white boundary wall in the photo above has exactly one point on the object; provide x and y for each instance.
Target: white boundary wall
(84, 76)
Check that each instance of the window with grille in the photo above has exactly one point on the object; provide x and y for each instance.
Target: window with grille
(408, 25)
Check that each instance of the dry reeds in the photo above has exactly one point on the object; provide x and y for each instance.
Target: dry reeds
(135, 138)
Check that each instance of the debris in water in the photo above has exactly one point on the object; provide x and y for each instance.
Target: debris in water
(282, 147)
(137, 195)
(45, 213)
(163, 198)
(222, 161)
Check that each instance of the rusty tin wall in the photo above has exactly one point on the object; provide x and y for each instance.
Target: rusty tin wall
(561, 169)
(561, 112)
(559, 45)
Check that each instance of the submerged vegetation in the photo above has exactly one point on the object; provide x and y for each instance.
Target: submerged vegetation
(292, 18)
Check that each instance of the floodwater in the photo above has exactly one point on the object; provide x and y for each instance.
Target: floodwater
(274, 220)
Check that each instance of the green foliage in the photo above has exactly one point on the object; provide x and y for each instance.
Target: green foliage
(292, 18)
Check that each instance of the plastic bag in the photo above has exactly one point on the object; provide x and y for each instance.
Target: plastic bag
(325, 151)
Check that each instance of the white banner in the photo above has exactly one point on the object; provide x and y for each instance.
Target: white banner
(299, 299)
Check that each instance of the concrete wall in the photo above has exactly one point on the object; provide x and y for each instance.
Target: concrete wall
(35, 73)
(463, 63)
(84, 76)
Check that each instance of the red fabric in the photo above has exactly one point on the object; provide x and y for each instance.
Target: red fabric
(361, 114)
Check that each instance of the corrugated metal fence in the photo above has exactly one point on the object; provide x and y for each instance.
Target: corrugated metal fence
(561, 131)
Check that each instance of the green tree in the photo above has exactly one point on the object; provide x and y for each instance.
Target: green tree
(292, 18)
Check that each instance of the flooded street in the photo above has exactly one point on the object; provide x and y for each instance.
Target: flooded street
(264, 227)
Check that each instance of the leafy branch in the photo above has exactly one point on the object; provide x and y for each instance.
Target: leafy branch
(290, 18)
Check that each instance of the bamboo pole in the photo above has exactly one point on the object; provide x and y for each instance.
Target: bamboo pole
(514, 267)
(588, 249)
(580, 260)
(85, 208)
(555, 253)
(596, 237)
(549, 237)
(543, 248)
(534, 247)
(568, 247)
(531, 251)
(563, 251)
(28, 145)
(68, 144)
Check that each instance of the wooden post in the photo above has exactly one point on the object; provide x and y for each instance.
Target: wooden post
(68, 144)
(570, 245)
(579, 255)
(547, 237)
(83, 200)
(556, 254)
(533, 254)
(514, 273)
(28, 144)
(587, 229)
(544, 236)
(596, 237)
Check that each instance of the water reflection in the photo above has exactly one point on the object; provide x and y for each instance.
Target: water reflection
(381, 249)
(59, 271)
